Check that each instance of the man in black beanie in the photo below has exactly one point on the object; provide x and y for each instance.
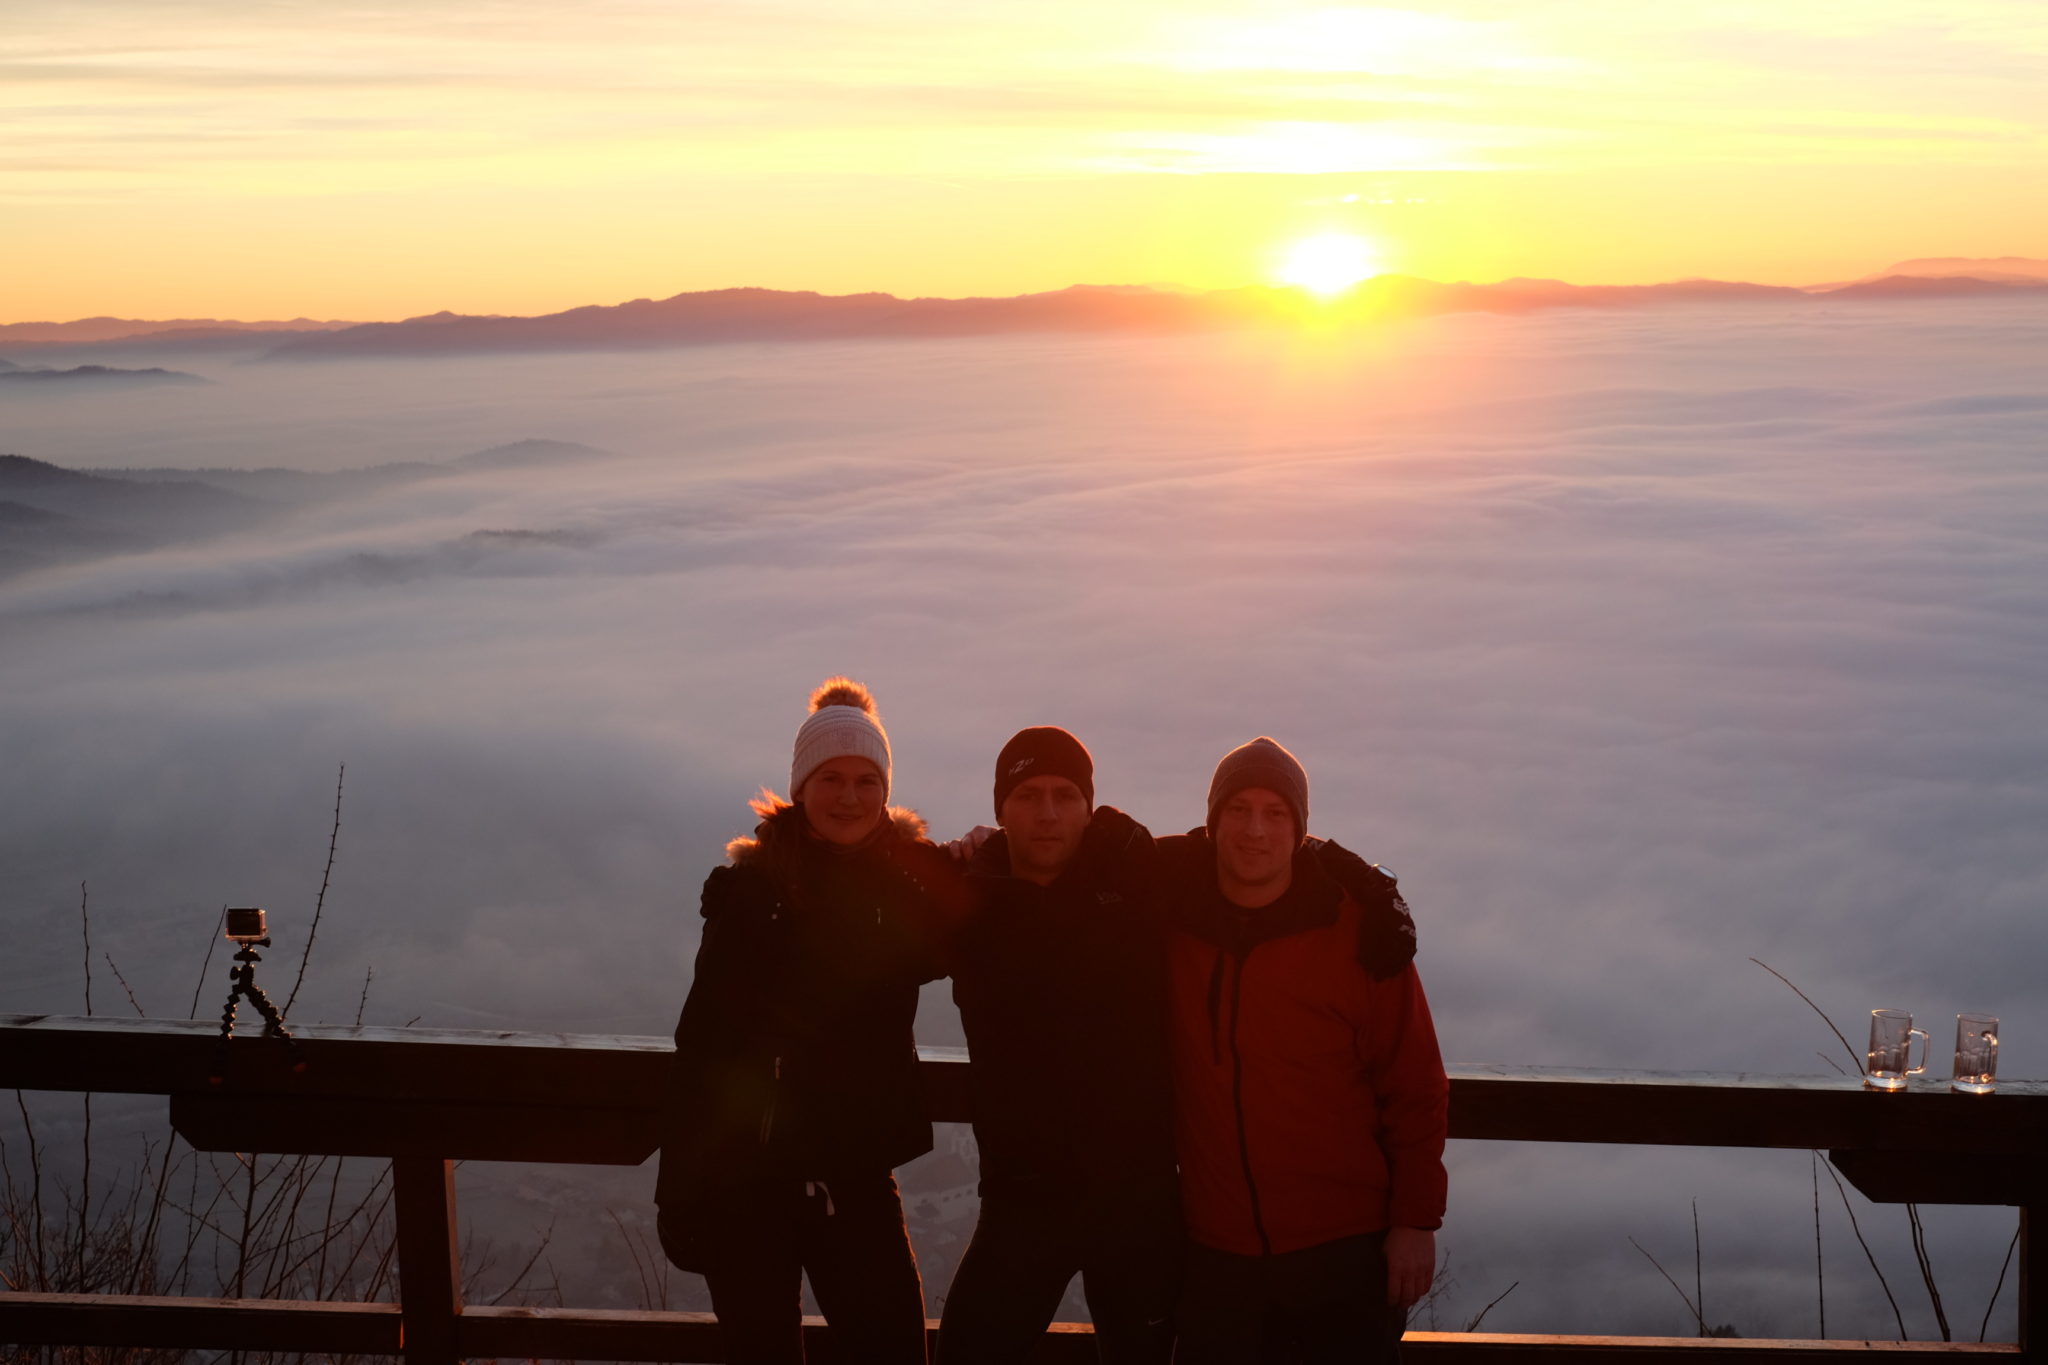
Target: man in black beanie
(1060, 979)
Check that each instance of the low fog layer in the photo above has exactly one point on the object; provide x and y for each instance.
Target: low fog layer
(1635, 645)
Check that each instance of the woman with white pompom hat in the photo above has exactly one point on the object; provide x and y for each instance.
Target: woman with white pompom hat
(794, 1092)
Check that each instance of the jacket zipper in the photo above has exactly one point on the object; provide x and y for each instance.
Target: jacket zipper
(1244, 1144)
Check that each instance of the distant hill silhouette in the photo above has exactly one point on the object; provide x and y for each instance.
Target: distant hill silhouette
(530, 454)
(75, 493)
(1930, 287)
(59, 514)
(716, 316)
(14, 515)
(2005, 269)
(94, 376)
(743, 315)
(51, 515)
(107, 329)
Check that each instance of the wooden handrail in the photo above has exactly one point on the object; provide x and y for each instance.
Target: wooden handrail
(426, 1097)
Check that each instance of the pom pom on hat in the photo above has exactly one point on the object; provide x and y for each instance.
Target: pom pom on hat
(842, 692)
(842, 724)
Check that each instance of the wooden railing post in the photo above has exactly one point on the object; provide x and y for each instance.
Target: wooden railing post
(429, 1276)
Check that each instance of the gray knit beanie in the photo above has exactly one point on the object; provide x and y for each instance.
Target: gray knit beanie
(842, 724)
(1262, 763)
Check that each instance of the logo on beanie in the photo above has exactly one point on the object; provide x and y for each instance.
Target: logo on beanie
(1021, 764)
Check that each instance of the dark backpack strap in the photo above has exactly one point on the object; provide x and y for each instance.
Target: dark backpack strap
(1386, 930)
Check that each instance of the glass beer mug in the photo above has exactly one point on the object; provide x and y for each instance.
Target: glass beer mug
(1976, 1070)
(1889, 1060)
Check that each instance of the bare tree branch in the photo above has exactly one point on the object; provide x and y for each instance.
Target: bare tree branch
(124, 985)
(1858, 1061)
(1820, 1278)
(320, 904)
(1985, 1326)
(1926, 1268)
(1690, 1306)
(1480, 1317)
(1858, 1230)
(218, 925)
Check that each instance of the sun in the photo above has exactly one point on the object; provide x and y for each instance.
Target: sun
(1327, 264)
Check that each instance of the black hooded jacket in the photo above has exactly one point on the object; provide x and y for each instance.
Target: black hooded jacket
(1062, 991)
(794, 1053)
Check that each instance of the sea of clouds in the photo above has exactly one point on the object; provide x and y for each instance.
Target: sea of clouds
(1636, 644)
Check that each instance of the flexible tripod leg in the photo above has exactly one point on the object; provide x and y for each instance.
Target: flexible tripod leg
(273, 1023)
(219, 1070)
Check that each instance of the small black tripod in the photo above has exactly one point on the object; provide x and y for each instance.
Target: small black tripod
(244, 977)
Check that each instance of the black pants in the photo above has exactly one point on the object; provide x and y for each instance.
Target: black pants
(1027, 1250)
(1322, 1304)
(847, 1234)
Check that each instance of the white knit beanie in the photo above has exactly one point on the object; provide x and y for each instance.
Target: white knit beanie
(842, 724)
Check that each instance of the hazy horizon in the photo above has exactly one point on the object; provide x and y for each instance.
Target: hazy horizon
(1931, 265)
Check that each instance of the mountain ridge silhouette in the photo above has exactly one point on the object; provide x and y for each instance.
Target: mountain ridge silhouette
(758, 314)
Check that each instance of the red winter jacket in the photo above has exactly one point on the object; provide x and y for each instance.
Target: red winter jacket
(1310, 1098)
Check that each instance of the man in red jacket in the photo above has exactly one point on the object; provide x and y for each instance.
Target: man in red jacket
(1310, 1097)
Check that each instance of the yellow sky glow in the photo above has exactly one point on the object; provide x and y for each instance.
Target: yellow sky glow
(204, 157)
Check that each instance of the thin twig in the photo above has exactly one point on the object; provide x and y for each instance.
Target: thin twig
(320, 903)
(154, 1228)
(370, 1224)
(85, 1189)
(1926, 1268)
(1856, 1228)
(1820, 1278)
(242, 1242)
(1816, 1009)
(364, 999)
(124, 985)
(516, 1281)
(218, 925)
(35, 1170)
(85, 927)
(333, 1192)
(85, 1180)
(1985, 1326)
(1830, 1061)
(633, 1250)
(1689, 1306)
(1699, 1292)
(1473, 1325)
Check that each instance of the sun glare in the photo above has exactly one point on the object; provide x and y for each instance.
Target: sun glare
(1328, 264)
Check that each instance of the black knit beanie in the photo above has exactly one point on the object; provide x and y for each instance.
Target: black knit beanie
(1043, 751)
(1262, 763)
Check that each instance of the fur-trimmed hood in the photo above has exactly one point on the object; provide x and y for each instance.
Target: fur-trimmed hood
(783, 819)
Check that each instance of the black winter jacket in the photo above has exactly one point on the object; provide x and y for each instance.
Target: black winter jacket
(1062, 992)
(794, 1053)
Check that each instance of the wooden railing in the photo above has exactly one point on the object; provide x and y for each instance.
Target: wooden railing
(426, 1098)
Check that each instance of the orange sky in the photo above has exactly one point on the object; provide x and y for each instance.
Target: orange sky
(203, 158)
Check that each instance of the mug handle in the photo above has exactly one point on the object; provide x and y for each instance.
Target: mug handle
(1911, 1034)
